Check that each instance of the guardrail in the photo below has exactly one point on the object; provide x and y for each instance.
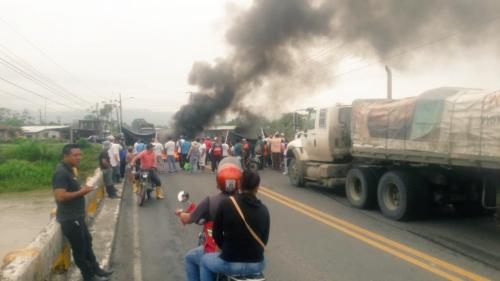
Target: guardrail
(49, 252)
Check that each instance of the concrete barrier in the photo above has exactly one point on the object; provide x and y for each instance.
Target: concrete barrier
(49, 252)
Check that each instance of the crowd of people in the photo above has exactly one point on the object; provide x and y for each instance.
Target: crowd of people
(117, 161)
(199, 154)
(205, 153)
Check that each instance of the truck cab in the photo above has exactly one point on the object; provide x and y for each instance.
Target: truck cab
(322, 146)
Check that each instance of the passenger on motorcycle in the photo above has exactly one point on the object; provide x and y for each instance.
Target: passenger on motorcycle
(148, 163)
(228, 181)
(242, 244)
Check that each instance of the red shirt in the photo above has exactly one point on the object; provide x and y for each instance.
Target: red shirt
(148, 159)
(208, 144)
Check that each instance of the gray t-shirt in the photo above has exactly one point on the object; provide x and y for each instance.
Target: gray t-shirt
(207, 208)
(73, 209)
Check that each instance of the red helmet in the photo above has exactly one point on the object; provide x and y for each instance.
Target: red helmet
(229, 175)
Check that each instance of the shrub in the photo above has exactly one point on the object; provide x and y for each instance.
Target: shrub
(20, 175)
(29, 165)
(83, 143)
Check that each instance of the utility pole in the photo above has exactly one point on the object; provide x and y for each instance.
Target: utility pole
(45, 113)
(118, 118)
(121, 113)
(99, 125)
(389, 82)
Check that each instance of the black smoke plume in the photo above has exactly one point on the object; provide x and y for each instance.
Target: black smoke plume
(269, 42)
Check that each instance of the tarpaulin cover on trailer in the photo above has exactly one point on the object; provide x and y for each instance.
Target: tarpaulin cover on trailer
(447, 121)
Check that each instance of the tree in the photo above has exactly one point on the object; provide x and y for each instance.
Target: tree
(90, 117)
(138, 123)
(26, 117)
(14, 118)
(106, 111)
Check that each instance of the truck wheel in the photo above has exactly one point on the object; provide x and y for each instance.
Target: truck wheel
(361, 187)
(402, 195)
(295, 173)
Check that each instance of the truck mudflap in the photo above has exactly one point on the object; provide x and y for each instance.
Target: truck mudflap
(490, 194)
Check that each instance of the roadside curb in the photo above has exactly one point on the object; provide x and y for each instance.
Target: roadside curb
(49, 253)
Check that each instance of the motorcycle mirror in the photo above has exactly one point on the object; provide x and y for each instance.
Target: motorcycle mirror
(182, 196)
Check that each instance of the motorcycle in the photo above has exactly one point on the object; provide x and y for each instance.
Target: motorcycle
(188, 207)
(145, 186)
(254, 163)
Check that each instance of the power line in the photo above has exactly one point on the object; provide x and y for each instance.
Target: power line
(37, 94)
(27, 67)
(37, 48)
(33, 79)
(408, 50)
(19, 97)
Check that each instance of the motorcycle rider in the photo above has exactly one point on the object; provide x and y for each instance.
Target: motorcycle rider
(148, 162)
(228, 180)
(241, 230)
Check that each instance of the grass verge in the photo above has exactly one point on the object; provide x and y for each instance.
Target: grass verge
(28, 165)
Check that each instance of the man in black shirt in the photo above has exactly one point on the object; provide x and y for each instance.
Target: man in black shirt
(241, 251)
(228, 179)
(70, 200)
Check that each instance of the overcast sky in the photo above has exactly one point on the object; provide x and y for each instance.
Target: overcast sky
(145, 50)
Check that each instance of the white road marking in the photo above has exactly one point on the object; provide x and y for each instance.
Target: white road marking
(137, 250)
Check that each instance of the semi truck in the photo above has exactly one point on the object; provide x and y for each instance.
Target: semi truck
(405, 156)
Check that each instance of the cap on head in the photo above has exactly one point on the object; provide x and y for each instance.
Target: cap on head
(110, 138)
(106, 144)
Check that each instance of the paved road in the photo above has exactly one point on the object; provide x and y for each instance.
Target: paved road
(315, 235)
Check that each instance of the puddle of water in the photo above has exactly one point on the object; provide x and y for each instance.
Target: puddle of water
(23, 215)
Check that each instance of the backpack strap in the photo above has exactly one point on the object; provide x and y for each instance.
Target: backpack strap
(255, 236)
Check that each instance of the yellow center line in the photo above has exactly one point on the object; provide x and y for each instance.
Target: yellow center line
(372, 238)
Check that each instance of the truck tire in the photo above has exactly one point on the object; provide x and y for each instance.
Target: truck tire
(361, 187)
(296, 173)
(402, 196)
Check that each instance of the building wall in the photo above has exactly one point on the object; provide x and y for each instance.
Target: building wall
(47, 135)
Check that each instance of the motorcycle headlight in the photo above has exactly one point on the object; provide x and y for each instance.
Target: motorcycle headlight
(144, 175)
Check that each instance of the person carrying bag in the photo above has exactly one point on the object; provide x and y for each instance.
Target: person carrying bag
(241, 231)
